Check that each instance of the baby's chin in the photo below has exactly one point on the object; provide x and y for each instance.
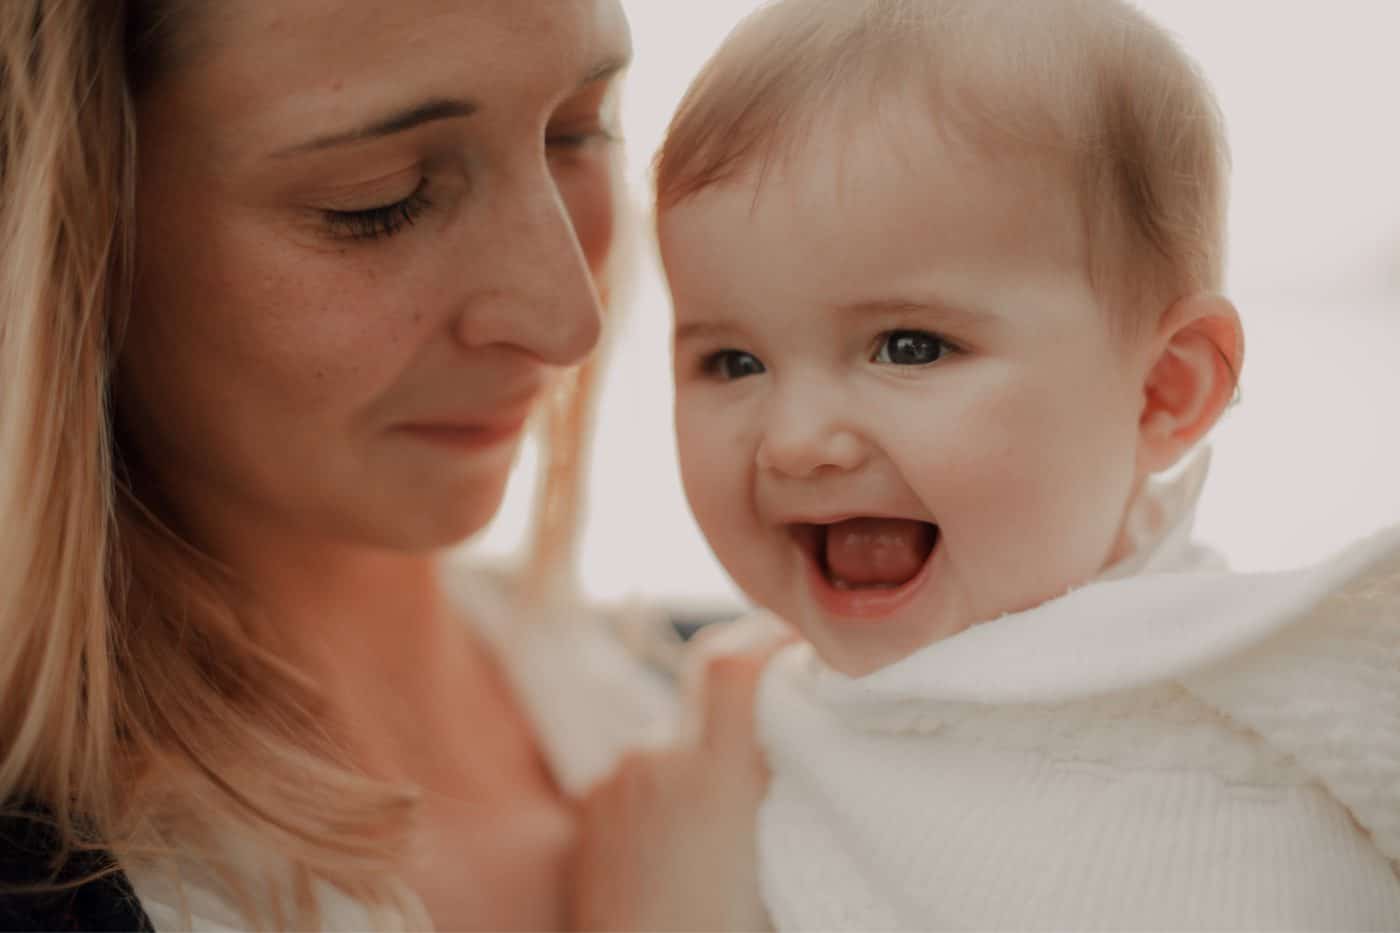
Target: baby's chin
(857, 648)
(857, 651)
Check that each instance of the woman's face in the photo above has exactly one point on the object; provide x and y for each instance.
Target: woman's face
(367, 237)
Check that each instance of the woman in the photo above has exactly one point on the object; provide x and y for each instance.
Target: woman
(283, 285)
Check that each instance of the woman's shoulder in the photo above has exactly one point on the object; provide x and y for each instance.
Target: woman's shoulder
(84, 892)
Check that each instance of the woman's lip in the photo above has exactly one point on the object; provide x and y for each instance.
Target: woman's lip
(468, 435)
(868, 604)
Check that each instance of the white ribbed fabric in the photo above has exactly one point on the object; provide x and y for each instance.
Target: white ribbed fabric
(1170, 747)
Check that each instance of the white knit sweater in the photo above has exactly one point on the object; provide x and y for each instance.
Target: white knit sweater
(1170, 747)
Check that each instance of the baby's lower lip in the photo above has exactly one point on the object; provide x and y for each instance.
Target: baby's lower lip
(865, 604)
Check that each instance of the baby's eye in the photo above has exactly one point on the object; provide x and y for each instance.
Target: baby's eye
(910, 348)
(732, 364)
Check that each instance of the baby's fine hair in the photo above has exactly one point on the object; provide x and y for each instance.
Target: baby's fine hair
(1090, 93)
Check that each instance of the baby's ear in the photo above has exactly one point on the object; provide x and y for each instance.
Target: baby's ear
(1197, 353)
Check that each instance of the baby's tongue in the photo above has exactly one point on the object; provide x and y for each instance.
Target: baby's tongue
(877, 551)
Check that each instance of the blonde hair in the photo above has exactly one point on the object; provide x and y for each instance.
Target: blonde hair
(1088, 90)
(137, 710)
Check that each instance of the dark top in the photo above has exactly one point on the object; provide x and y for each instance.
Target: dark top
(27, 848)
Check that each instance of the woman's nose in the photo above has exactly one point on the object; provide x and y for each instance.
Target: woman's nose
(543, 300)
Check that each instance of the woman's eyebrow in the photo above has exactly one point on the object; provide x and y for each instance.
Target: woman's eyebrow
(429, 111)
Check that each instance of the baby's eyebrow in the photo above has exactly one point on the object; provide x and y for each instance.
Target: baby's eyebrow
(692, 330)
(936, 309)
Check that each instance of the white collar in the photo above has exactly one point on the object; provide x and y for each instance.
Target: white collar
(1157, 532)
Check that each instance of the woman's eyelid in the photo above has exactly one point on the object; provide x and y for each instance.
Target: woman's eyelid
(381, 191)
(590, 116)
(577, 132)
(412, 201)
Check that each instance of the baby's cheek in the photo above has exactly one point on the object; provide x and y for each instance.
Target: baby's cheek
(705, 470)
(716, 477)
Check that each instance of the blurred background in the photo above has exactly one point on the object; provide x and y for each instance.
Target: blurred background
(1310, 459)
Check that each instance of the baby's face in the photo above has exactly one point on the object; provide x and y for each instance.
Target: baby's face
(900, 409)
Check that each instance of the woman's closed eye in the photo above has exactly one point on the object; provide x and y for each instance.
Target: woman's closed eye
(911, 348)
(570, 140)
(578, 131)
(385, 220)
(590, 117)
(728, 365)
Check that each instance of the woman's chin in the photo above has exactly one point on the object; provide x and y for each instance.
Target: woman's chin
(423, 519)
(454, 524)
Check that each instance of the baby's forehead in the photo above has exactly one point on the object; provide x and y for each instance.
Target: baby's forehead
(874, 181)
(844, 149)
(832, 228)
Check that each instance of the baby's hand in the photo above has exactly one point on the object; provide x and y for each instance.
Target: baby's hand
(668, 842)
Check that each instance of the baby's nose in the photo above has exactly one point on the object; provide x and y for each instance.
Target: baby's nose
(800, 451)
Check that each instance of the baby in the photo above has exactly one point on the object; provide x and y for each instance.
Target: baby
(946, 277)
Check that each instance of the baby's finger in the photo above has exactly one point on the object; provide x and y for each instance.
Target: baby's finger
(758, 637)
(728, 693)
(756, 631)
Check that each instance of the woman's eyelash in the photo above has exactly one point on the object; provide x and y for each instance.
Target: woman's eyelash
(579, 140)
(375, 223)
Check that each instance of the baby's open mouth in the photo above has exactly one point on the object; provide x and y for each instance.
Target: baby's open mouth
(868, 553)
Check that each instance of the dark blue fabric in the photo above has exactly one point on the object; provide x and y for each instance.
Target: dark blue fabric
(28, 850)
